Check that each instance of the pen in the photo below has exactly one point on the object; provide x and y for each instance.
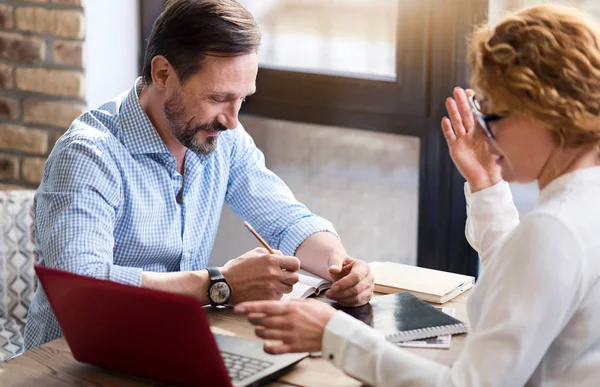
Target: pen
(259, 238)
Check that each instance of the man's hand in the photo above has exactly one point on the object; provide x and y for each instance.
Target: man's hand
(258, 275)
(298, 325)
(353, 282)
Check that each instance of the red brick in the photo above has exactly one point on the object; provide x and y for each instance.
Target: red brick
(18, 138)
(22, 48)
(67, 23)
(6, 77)
(65, 83)
(9, 167)
(57, 114)
(7, 187)
(67, 53)
(56, 137)
(68, 2)
(6, 19)
(33, 169)
(9, 108)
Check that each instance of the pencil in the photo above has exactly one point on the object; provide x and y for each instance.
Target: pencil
(259, 238)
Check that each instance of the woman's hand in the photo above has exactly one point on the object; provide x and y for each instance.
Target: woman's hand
(297, 325)
(467, 148)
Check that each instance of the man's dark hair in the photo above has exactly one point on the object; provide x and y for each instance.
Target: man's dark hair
(189, 30)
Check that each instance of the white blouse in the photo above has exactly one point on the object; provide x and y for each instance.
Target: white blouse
(535, 310)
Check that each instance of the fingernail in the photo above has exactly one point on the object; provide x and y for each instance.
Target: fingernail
(239, 309)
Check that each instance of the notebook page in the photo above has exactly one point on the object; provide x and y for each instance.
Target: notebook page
(299, 291)
(307, 285)
(311, 279)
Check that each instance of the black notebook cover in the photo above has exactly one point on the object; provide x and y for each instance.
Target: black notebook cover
(404, 317)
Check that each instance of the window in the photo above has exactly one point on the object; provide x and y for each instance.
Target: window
(499, 7)
(385, 66)
(350, 37)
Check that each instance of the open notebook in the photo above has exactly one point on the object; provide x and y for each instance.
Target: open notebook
(307, 285)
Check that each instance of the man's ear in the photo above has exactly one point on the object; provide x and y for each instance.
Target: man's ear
(161, 71)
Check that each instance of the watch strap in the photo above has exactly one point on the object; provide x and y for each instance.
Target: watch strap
(214, 273)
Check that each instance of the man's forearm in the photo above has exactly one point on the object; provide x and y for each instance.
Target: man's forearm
(188, 283)
(319, 251)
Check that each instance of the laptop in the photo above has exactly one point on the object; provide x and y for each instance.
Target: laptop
(153, 334)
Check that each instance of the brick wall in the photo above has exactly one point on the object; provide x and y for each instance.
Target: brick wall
(41, 83)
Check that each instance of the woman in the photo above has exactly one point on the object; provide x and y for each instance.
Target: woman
(535, 311)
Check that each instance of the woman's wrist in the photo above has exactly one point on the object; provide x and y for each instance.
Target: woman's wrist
(481, 184)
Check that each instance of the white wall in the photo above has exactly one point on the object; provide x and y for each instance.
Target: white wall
(365, 183)
(111, 48)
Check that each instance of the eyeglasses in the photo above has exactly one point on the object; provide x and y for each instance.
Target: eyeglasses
(483, 119)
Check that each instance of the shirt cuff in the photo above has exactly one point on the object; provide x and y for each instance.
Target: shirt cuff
(338, 335)
(364, 353)
(298, 233)
(490, 201)
(340, 326)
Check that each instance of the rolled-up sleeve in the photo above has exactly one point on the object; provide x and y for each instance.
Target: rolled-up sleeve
(261, 198)
(75, 211)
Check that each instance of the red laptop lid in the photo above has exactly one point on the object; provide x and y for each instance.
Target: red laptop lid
(144, 332)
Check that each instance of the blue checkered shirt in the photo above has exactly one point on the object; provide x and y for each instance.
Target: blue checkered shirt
(107, 204)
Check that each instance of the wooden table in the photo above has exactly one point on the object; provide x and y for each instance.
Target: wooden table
(53, 365)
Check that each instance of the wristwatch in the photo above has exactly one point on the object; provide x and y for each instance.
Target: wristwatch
(219, 290)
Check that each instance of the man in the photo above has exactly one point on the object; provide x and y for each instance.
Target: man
(133, 191)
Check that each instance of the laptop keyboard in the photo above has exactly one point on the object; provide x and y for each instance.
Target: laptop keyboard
(242, 367)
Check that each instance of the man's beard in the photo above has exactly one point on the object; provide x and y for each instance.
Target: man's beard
(175, 115)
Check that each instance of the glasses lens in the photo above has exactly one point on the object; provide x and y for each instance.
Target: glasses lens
(486, 129)
(480, 118)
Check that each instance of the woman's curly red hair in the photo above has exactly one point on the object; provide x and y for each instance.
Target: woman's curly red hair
(543, 61)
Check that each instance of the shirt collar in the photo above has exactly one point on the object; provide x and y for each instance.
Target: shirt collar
(589, 175)
(139, 135)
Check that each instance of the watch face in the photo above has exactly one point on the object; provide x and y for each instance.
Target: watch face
(219, 293)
